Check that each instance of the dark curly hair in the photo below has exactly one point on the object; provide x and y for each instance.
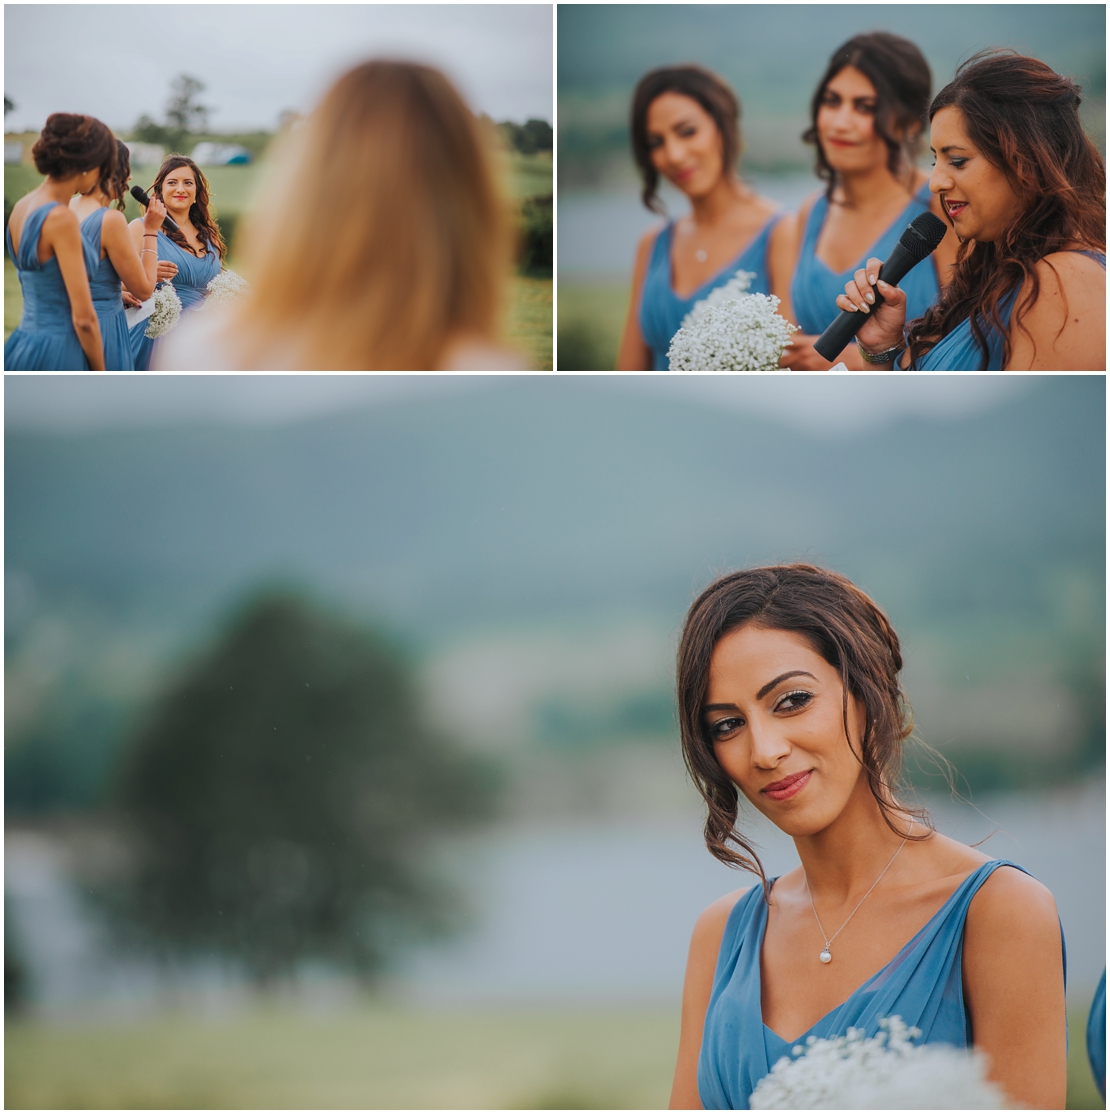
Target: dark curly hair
(848, 629)
(713, 93)
(200, 213)
(72, 144)
(114, 184)
(1023, 117)
(903, 83)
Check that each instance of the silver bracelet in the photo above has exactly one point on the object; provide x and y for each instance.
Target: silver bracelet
(890, 356)
(151, 250)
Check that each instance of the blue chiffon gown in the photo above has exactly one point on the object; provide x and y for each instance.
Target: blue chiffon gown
(45, 339)
(662, 310)
(190, 282)
(1096, 1036)
(922, 984)
(814, 288)
(958, 350)
(108, 299)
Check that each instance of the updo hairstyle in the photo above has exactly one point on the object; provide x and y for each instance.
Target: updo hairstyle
(849, 631)
(71, 144)
(713, 93)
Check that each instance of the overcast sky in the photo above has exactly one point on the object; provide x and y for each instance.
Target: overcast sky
(115, 61)
(827, 404)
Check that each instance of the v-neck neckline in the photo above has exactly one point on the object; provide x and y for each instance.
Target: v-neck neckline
(712, 278)
(870, 978)
(914, 200)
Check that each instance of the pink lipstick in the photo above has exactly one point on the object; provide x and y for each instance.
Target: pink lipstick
(788, 787)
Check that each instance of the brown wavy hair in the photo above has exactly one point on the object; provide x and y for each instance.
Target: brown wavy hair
(903, 83)
(114, 183)
(1023, 118)
(71, 144)
(849, 630)
(713, 93)
(201, 212)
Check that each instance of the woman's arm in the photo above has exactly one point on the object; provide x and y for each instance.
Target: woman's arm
(1014, 988)
(701, 964)
(1065, 328)
(634, 353)
(138, 268)
(62, 232)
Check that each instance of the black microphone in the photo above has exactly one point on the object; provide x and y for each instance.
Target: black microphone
(918, 241)
(143, 198)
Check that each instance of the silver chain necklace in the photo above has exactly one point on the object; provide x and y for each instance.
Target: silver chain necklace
(826, 955)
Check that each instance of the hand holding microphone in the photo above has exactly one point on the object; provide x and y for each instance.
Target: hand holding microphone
(883, 322)
(156, 207)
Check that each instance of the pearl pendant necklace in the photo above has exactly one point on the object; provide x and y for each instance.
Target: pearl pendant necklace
(701, 255)
(826, 953)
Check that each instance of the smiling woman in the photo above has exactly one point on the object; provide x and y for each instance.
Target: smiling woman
(788, 694)
(1024, 189)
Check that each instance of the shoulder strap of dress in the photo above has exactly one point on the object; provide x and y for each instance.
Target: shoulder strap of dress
(1097, 256)
(815, 218)
(92, 228)
(30, 234)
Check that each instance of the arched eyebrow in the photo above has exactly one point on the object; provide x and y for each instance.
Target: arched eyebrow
(763, 691)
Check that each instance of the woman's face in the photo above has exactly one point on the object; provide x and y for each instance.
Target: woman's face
(684, 142)
(179, 188)
(846, 122)
(774, 715)
(976, 195)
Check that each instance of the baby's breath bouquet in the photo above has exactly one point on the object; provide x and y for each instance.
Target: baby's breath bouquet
(731, 330)
(226, 287)
(884, 1072)
(166, 312)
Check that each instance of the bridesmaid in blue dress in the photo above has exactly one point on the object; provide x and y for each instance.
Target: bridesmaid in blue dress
(866, 124)
(685, 126)
(197, 249)
(58, 330)
(105, 233)
(1025, 190)
(789, 699)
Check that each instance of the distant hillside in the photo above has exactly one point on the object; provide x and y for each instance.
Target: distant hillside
(536, 504)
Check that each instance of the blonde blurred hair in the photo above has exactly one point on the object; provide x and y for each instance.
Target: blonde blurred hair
(383, 236)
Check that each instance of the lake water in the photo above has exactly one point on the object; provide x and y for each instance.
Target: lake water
(598, 232)
(574, 912)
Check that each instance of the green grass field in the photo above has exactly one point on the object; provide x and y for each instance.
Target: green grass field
(376, 1057)
(591, 317)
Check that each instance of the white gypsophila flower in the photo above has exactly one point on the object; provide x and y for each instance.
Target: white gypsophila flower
(741, 332)
(226, 287)
(884, 1072)
(730, 292)
(167, 311)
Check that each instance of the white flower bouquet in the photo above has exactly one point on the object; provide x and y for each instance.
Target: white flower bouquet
(226, 287)
(731, 330)
(885, 1072)
(166, 312)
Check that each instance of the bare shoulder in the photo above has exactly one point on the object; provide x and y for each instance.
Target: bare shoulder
(646, 243)
(710, 925)
(61, 217)
(1010, 893)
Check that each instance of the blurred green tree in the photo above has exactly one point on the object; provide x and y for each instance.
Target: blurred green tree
(284, 793)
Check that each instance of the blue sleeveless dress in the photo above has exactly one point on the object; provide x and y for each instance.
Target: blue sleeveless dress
(814, 288)
(922, 984)
(1096, 1036)
(662, 310)
(107, 297)
(190, 282)
(45, 339)
(958, 350)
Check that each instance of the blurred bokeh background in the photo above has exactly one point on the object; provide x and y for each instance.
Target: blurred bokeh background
(773, 55)
(341, 766)
(220, 84)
